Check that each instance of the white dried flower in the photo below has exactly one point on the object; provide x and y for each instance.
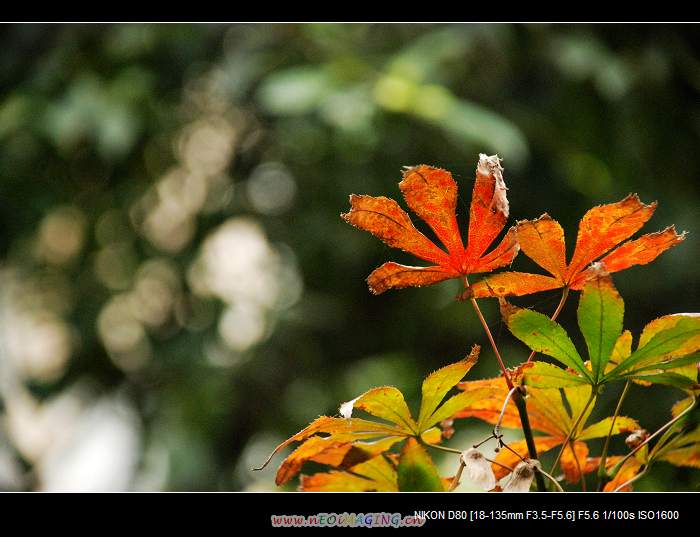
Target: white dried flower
(478, 469)
(522, 476)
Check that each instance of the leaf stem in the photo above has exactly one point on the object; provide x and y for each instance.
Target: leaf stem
(443, 448)
(567, 442)
(497, 427)
(604, 455)
(480, 315)
(560, 306)
(455, 480)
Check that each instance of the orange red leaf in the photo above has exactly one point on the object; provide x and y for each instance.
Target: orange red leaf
(431, 193)
(601, 229)
(391, 275)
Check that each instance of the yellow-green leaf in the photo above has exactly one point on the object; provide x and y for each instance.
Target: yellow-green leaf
(602, 428)
(432, 435)
(665, 338)
(456, 403)
(438, 384)
(386, 403)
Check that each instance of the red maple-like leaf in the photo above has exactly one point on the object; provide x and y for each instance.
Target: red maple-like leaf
(600, 232)
(431, 193)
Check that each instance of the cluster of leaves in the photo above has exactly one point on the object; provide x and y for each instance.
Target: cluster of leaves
(664, 354)
(559, 400)
(359, 446)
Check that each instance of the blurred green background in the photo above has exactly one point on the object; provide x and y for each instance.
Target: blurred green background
(177, 291)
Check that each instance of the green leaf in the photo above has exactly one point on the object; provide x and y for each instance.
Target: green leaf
(600, 314)
(681, 337)
(545, 336)
(672, 363)
(544, 375)
(670, 379)
(416, 470)
(438, 384)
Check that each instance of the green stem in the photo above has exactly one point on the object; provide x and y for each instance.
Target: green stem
(443, 448)
(573, 430)
(560, 306)
(602, 474)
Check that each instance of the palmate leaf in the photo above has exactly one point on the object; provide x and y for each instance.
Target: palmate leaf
(665, 354)
(431, 193)
(341, 436)
(437, 385)
(665, 344)
(386, 403)
(601, 229)
(348, 442)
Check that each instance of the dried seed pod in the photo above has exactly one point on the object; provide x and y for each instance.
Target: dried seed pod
(636, 438)
(478, 469)
(522, 476)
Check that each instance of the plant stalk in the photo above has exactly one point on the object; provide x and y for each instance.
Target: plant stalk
(521, 405)
(455, 480)
(602, 474)
(480, 315)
